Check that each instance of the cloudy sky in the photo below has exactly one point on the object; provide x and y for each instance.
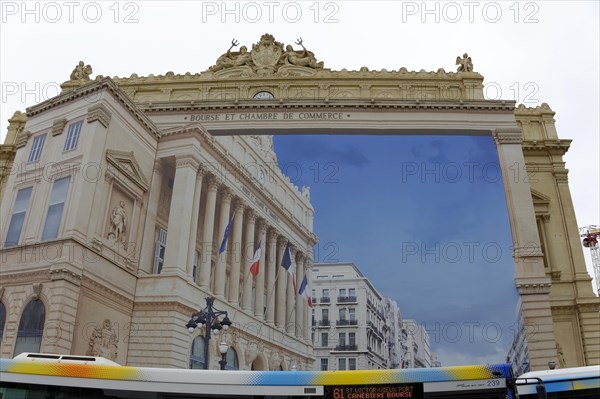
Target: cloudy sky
(530, 52)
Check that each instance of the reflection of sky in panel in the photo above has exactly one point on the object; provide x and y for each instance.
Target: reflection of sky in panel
(425, 219)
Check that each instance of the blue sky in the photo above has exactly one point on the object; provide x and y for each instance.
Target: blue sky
(425, 219)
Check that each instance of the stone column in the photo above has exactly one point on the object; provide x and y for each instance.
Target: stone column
(259, 299)
(530, 277)
(249, 253)
(221, 265)
(176, 252)
(281, 277)
(208, 223)
(194, 224)
(236, 242)
(300, 302)
(271, 249)
(291, 295)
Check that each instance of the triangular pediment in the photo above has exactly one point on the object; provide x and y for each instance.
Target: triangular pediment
(539, 198)
(125, 163)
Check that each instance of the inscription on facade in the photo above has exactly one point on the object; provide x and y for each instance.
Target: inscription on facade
(246, 116)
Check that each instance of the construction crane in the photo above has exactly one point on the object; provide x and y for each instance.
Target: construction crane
(591, 236)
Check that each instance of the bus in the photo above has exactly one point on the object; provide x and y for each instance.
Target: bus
(575, 382)
(37, 376)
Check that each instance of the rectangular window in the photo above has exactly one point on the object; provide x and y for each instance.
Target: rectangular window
(325, 314)
(342, 314)
(341, 364)
(324, 364)
(351, 339)
(352, 292)
(351, 364)
(342, 292)
(159, 256)
(73, 136)
(342, 339)
(56, 206)
(36, 149)
(195, 269)
(324, 339)
(325, 293)
(18, 217)
(352, 313)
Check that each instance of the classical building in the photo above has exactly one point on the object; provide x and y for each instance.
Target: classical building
(117, 194)
(350, 329)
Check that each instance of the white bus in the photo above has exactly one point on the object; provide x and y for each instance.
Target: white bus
(42, 376)
(576, 382)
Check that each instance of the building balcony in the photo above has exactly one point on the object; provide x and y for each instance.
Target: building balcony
(345, 348)
(346, 299)
(346, 323)
(324, 323)
(325, 300)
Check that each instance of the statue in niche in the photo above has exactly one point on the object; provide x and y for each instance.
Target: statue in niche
(232, 59)
(303, 58)
(464, 64)
(118, 222)
(81, 72)
(103, 341)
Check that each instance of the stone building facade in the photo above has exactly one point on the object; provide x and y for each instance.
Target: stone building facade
(118, 192)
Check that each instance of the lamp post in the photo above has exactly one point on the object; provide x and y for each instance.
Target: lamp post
(209, 317)
(223, 347)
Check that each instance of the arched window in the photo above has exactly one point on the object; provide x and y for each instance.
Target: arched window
(31, 328)
(232, 360)
(2, 319)
(197, 360)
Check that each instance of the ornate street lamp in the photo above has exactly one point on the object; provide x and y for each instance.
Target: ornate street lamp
(209, 318)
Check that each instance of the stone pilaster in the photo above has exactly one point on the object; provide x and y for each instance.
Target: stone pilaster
(176, 252)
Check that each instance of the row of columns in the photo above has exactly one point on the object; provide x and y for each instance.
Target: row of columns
(283, 306)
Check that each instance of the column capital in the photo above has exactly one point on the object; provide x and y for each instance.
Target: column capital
(226, 194)
(213, 183)
(187, 161)
(239, 204)
(272, 233)
(251, 215)
(508, 136)
(262, 226)
(282, 240)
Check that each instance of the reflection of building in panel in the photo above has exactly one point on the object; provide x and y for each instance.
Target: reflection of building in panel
(134, 181)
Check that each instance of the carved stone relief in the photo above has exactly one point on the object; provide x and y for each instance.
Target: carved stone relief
(103, 341)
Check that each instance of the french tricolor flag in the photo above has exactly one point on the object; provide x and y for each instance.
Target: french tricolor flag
(256, 261)
(304, 291)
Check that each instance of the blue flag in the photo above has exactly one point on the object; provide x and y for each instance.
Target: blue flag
(226, 236)
(286, 262)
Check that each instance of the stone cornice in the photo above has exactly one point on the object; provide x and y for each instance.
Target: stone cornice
(544, 109)
(534, 288)
(126, 164)
(553, 147)
(287, 105)
(155, 306)
(25, 277)
(508, 136)
(95, 87)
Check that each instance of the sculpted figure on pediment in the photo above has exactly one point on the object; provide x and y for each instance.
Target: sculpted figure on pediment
(81, 72)
(464, 64)
(300, 58)
(267, 57)
(233, 59)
